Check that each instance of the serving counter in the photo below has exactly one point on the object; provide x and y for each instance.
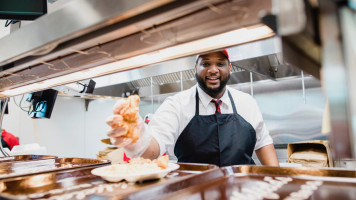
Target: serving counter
(71, 178)
(251, 182)
(79, 183)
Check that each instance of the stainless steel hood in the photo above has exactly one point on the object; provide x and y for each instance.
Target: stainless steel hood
(260, 60)
(88, 33)
(75, 19)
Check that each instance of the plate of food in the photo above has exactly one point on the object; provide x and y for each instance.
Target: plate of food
(138, 169)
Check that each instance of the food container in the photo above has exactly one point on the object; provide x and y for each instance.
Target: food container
(28, 165)
(25, 158)
(260, 182)
(80, 184)
(190, 181)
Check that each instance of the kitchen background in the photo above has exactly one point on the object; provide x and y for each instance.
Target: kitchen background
(78, 124)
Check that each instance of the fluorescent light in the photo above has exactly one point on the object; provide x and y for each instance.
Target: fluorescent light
(223, 40)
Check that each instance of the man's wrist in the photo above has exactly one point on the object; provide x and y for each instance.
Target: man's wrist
(136, 149)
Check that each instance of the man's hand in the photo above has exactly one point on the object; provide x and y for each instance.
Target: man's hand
(125, 123)
(118, 132)
(127, 129)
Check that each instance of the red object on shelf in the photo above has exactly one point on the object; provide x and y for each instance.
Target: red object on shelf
(9, 139)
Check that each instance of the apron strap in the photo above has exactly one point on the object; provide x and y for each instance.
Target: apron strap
(232, 102)
(196, 102)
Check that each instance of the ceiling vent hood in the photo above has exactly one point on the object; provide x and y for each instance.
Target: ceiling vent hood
(259, 60)
(69, 44)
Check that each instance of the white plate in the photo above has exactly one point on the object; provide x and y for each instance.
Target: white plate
(101, 171)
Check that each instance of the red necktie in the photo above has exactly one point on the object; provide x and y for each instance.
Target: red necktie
(217, 105)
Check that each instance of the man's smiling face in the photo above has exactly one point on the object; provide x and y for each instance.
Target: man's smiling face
(212, 73)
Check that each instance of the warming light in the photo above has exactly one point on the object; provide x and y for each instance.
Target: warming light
(223, 40)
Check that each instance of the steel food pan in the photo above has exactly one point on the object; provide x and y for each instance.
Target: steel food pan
(25, 158)
(15, 169)
(253, 182)
(334, 173)
(81, 184)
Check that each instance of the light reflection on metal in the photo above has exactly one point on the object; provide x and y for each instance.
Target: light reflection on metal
(38, 181)
(330, 174)
(3, 107)
(255, 49)
(151, 79)
(287, 23)
(303, 87)
(348, 31)
(181, 81)
(334, 80)
(251, 81)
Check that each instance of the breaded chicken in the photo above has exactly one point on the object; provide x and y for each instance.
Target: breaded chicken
(126, 116)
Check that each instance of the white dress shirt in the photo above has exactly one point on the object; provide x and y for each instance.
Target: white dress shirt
(176, 112)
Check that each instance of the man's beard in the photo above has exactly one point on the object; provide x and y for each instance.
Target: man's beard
(212, 91)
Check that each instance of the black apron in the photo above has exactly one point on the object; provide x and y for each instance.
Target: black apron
(220, 139)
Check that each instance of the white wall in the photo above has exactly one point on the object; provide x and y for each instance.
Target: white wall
(70, 132)
(4, 30)
(95, 126)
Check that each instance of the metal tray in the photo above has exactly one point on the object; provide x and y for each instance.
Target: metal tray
(322, 173)
(259, 182)
(25, 158)
(81, 184)
(16, 169)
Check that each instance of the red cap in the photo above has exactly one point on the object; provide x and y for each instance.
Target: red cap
(224, 51)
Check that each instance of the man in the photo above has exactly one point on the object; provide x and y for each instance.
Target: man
(208, 123)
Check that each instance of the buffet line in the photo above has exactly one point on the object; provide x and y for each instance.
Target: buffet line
(49, 177)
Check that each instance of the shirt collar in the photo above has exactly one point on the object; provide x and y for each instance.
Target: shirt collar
(206, 99)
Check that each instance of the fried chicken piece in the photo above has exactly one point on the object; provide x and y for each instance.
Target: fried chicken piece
(162, 161)
(129, 110)
(132, 132)
(126, 116)
(116, 121)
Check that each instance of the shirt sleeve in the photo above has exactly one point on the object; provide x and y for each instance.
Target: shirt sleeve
(262, 134)
(164, 126)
